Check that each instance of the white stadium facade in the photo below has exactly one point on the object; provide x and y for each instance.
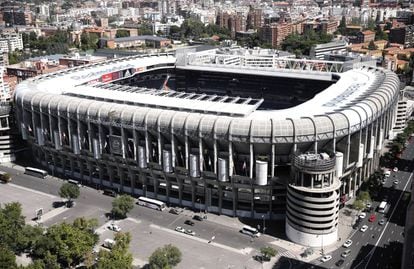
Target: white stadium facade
(236, 133)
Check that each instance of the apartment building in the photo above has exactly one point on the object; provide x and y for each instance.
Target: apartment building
(11, 42)
(275, 33)
(320, 50)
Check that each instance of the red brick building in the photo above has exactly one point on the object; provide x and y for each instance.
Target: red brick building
(275, 33)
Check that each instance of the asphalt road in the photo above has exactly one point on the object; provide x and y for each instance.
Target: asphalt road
(381, 245)
(93, 204)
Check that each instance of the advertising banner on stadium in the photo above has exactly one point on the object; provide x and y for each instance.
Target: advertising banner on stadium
(115, 143)
(106, 78)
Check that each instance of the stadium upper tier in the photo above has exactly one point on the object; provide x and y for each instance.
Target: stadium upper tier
(357, 98)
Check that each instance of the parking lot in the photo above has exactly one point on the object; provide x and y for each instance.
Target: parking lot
(197, 252)
(29, 199)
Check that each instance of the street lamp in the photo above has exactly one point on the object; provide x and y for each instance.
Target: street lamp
(264, 223)
(199, 201)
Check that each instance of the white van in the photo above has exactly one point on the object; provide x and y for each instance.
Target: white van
(250, 231)
(109, 243)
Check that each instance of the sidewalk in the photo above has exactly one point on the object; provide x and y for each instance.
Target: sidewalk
(51, 214)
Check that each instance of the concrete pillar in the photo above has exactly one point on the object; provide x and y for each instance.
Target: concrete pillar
(251, 161)
(272, 160)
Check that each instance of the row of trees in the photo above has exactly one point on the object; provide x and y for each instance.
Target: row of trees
(301, 44)
(193, 28)
(397, 146)
(69, 244)
(60, 245)
(119, 256)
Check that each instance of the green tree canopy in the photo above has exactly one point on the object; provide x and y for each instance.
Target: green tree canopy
(371, 45)
(122, 33)
(12, 224)
(69, 191)
(89, 41)
(145, 29)
(364, 196)
(68, 242)
(165, 257)
(301, 44)
(122, 205)
(268, 253)
(342, 26)
(7, 258)
(358, 204)
(84, 224)
(192, 28)
(380, 34)
(119, 256)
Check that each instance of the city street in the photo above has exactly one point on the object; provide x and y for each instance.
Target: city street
(381, 245)
(151, 228)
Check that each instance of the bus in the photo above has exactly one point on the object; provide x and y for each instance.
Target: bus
(35, 172)
(74, 182)
(151, 203)
(383, 207)
(250, 231)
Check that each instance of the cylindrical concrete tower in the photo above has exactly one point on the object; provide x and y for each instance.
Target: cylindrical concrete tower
(313, 200)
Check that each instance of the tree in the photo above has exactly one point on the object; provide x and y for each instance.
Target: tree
(38, 264)
(122, 205)
(68, 242)
(145, 29)
(69, 191)
(89, 41)
(342, 26)
(364, 197)
(7, 258)
(358, 204)
(165, 257)
(371, 45)
(268, 253)
(122, 33)
(11, 226)
(371, 25)
(86, 224)
(380, 34)
(192, 28)
(5, 178)
(119, 256)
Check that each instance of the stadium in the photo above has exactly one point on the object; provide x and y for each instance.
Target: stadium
(245, 133)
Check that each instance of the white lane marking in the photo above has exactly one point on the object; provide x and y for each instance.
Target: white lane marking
(370, 254)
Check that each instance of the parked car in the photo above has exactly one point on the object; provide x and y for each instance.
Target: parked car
(174, 211)
(347, 243)
(109, 192)
(180, 229)
(198, 217)
(190, 232)
(340, 262)
(395, 182)
(189, 222)
(362, 215)
(114, 227)
(381, 222)
(346, 253)
(364, 228)
(395, 169)
(326, 258)
(108, 243)
(372, 218)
